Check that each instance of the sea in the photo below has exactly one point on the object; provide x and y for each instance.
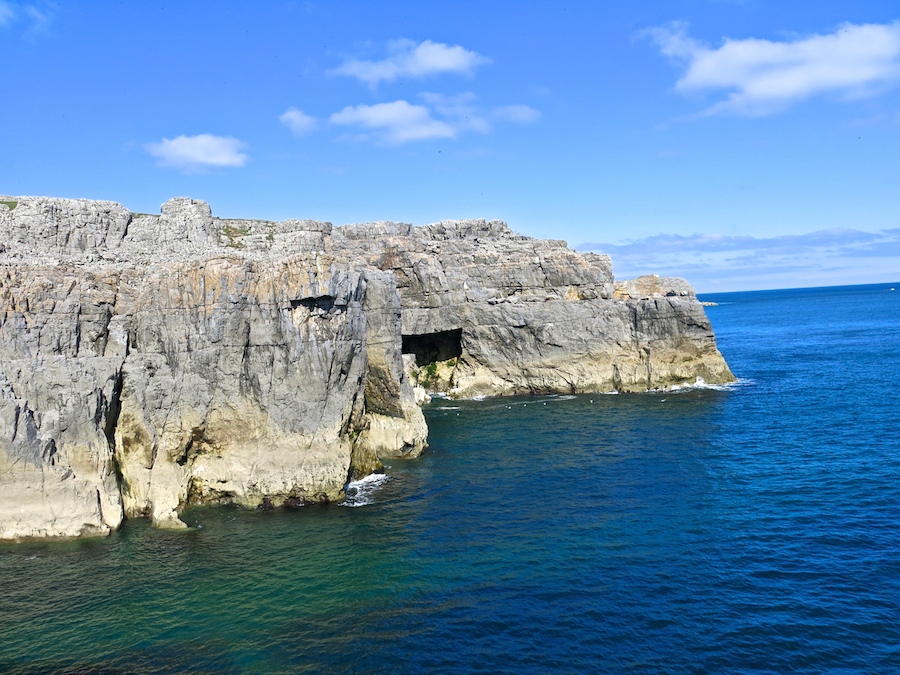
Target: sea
(749, 528)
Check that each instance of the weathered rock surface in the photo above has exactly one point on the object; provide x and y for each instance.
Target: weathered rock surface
(505, 314)
(148, 362)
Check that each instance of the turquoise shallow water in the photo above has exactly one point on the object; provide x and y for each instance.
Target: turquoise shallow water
(751, 529)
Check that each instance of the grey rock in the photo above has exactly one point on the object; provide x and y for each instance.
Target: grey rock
(653, 286)
(517, 315)
(60, 227)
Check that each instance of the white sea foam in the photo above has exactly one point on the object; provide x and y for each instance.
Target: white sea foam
(703, 384)
(448, 407)
(361, 492)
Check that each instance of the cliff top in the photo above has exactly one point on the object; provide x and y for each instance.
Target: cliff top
(87, 230)
(49, 230)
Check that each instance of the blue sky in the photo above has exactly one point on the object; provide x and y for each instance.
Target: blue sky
(740, 144)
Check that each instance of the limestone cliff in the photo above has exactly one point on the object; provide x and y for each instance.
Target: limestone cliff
(490, 312)
(148, 362)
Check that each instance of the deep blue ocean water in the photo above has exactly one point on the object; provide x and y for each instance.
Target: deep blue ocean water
(752, 529)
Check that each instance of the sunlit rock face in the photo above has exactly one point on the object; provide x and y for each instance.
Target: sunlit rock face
(148, 362)
(490, 312)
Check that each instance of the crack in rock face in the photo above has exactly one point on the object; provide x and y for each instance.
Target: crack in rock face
(148, 362)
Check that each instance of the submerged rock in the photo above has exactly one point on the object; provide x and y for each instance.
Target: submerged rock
(148, 362)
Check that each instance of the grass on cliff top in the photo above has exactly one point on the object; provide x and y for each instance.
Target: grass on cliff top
(234, 234)
(11, 205)
(233, 231)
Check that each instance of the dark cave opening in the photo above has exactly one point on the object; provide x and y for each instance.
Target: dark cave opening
(322, 302)
(431, 347)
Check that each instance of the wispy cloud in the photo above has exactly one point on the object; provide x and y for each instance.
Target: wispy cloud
(442, 117)
(197, 153)
(521, 114)
(297, 121)
(393, 123)
(722, 262)
(787, 243)
(406, 58)
(766, 76)
(40, 18)
(36, 18)
(459, 109)
(7, 14)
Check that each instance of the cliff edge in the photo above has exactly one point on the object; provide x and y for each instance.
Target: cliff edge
(149, 362)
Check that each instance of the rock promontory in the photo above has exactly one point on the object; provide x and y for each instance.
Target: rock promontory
(150, 362)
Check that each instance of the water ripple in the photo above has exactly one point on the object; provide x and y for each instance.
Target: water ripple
(753, 529)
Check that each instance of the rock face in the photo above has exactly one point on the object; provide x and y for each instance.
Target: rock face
(149, 362)
(490, 312)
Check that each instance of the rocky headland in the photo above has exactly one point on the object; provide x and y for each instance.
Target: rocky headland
(150, 362)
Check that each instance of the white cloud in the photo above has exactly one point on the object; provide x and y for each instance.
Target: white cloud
(7, 13)
(198, 152)
(523, 114)
(297, 121)
(765, 76)
(722, 262)
(459, 108)
(40, 19)
(11, 12)
(834, 239)
(394, 123)
(443, 116)
(409, 59)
